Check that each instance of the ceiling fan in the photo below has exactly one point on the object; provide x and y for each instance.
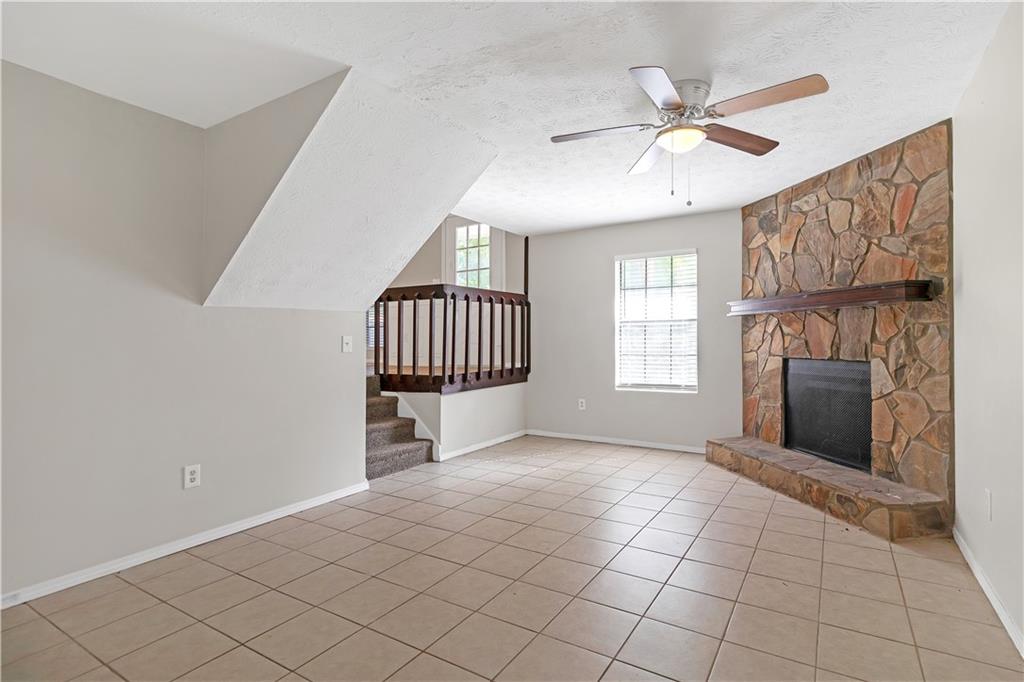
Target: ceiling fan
(681, 103)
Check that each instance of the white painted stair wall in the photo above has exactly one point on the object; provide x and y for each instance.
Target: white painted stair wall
(460, 423)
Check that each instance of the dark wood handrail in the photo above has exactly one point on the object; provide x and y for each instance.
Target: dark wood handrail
(425, 291)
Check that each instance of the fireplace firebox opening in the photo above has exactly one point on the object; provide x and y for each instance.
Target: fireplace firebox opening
(827, 410)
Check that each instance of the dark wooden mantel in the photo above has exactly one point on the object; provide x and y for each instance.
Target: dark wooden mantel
(863, 295)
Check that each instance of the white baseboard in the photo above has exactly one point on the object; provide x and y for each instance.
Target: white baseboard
(1012, 629)
(619, 441)
(78, 577)
(442, 456)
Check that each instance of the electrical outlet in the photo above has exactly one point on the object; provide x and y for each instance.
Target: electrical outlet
(988, 503)
(582, 403)
(346, 344)
(190, 476)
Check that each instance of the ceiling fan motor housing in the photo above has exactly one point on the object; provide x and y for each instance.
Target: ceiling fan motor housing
(693, 91)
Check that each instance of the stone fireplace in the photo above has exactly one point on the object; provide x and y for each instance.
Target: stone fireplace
(883, 217)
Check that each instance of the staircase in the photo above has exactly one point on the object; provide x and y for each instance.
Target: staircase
(391, 442)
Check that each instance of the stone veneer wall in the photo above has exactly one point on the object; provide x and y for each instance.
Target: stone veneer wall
(879, 218)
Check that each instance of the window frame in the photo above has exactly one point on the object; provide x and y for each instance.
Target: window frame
(653, 388)
(449, 243)
(478, 270)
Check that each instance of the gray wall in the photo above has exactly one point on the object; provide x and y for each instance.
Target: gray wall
(572, 292)
(514, 254)
(425, 266)
(987, 264)
(244, 159)
(115, 376)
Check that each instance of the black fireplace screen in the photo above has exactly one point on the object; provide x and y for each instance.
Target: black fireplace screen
(827, 410)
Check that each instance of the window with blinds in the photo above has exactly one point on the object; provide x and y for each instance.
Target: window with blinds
(371, 327)
(656, 322)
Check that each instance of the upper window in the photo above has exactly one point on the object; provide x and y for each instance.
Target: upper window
(656, 322)
(473, 256)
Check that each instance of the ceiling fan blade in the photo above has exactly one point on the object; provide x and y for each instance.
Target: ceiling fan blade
(658, 86)
(647, 159)
(776, 94)
(738, 139)
(601, 132)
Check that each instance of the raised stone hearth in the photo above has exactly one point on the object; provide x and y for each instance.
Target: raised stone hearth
(881, 218)
(891, 510)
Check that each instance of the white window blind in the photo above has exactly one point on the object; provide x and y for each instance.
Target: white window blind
(371, 327)
(656, 322)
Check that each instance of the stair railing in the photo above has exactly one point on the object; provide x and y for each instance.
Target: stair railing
(473, 338)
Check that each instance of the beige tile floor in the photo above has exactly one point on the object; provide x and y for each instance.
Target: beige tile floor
(538, 559)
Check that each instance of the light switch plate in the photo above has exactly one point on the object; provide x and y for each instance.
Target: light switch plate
(346, 344)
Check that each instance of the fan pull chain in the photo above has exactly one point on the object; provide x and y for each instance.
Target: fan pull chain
(672, 175)
(688, 202)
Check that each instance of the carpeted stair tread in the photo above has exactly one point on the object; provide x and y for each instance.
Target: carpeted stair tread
(389, 459)
(378, 407)
(388, 423)
(384, 451)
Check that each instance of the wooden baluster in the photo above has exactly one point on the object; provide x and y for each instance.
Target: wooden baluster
(502, 308)
(400, 336)
(528, 314)
(479, 336)
(490, 356)
(430, 338)
(376, 338)
(512, 338)
(529, 339)
(444, 340)
(526, 266)
(522, 332)
(384, 323)
(415, 336)
(465, 368)
(455, 315)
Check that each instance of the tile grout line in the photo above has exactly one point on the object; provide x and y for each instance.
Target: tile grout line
(315, 606)
(732, 608)
(613, 658)
(566, 472)
(821, 594)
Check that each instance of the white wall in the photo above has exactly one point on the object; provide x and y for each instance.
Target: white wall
(476, 418)
(462, 422)
(987, 263)
(572, 292)
(115, 376)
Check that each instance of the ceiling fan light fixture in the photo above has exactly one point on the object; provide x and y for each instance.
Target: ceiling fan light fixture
(681, 139)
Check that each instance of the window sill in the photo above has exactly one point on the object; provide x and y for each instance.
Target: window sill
(656, 389)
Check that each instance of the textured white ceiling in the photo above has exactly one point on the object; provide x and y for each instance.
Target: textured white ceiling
(519, 73)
